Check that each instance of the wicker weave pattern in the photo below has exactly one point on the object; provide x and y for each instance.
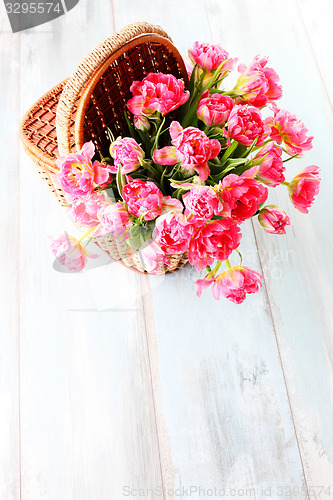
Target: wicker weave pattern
(120, 252)
(104, 100)
(51, 127)
(85, 71)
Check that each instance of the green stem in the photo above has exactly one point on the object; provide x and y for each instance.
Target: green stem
(227, 263)
(240, 255)
(217, 267)
(285, 183)
(291, 158)
(158, 133)
(89, 231)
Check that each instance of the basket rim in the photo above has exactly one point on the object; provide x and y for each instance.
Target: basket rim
(89, 89)
(86, 69)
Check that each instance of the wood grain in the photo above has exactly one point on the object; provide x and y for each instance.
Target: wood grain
(202, 405)
(9, 268)
(110, 379)
(299, 290)
(88, 421)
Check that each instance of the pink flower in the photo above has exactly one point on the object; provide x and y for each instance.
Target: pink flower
(173, 233)
(101, 179)
(70, 253)
(207, 281)
(273, 219)
(114, 219)
(78, 175)
(157, 92)
(141, 122)
(191, 147)
(214, 240)
(84, 209)
(153, 257)
(214, 110)
(258, 84)
(127, 153)
(245, 125)
(210, 57)
(143, 199)
(286, 128)
(271, 168)
(304, 187)
(236, 282)
(241, 196)
(201, 203)
(204, 283)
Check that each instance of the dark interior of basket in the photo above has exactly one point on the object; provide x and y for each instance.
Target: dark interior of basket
(108, 100)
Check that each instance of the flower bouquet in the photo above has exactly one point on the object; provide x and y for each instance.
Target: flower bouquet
(197, 162)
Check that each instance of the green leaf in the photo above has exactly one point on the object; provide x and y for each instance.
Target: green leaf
(183, 181)
(139, 234)
(111, 136)
(121, 180)
(228, 152)
(130, 126)
(249, 151)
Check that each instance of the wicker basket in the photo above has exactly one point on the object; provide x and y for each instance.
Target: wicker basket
(92, 100)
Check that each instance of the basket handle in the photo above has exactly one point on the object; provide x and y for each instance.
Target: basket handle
(83, 73)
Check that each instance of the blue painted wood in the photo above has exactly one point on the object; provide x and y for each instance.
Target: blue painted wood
(9, 290)
(298, 279)
(130, 380)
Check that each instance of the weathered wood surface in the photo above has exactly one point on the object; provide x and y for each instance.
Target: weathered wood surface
(110, 379)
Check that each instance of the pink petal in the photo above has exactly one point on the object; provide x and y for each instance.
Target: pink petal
(165, 156)
(203, 171)
(171, 204)
(175, 130)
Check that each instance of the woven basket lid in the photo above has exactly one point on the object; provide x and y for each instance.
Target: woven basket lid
(104, 79)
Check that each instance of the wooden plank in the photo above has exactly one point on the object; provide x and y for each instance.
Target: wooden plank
(223, 413)
(318, 25)
(299, 282)
(88, 421)
(168, 18)
(9, 271)
(223, 400)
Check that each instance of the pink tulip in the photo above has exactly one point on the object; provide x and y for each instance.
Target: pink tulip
(141, 122)
(286, 128)
(241, 196)
(157, 92)
(191, 147)
(215, 239)
(143, 198)
(245, 125)
(114, 219)
(257, 84)
(127, 153)
(271, 168)
(173, 232)
(214, 109)
(304, 188)
(210, 57)
(70, 253)
(84, 209)
(78, 175)
(273, 219)
(236, 282)
(201, 203)
(153, 257)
